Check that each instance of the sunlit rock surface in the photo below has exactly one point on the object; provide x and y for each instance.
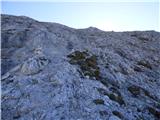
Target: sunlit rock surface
(53, 72)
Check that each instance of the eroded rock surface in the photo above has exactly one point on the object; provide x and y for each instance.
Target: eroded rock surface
(53, 72)
(34, 65)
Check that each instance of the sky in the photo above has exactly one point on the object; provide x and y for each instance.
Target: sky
(108, 16)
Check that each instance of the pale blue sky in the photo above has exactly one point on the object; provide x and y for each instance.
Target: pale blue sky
(117, 16)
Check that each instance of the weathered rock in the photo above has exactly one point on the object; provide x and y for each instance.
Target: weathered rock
(34, 65)
(53, 72)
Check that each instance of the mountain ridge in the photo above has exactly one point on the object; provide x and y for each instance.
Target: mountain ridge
(90, 27)
(54, 72)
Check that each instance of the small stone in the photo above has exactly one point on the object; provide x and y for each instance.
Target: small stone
(87, 76)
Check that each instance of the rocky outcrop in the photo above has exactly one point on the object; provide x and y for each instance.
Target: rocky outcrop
(34, 65)
(53, 72)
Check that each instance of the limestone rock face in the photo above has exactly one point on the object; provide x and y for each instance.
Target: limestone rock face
(34, 65)
(53, 72)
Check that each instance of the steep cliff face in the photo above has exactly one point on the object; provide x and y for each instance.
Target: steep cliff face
(53, 72)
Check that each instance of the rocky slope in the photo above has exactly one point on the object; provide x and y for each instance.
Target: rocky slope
(53, 72)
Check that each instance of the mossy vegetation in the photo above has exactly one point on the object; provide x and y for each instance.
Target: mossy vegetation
(98, 101)
(145, 64)
(154, 111)
(116, 98)
(118, 114)
(147, 93)
(92, 61)
(104, 82)
(135, 90)
(88, 63)
(77, 55)
(139, 91)
(114, 95)
(137, 68)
